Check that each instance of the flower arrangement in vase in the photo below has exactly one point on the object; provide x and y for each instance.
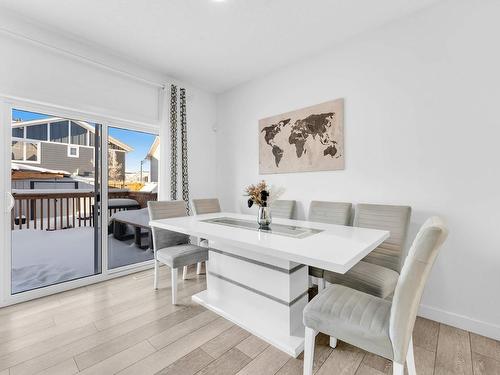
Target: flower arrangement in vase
(261, 195)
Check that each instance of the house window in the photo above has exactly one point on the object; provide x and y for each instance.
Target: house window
(59, 132)
(18, 132)
(17, 151)
(73, 151)
(78, 134)
(27, 152)
(31, 151)
(38, 132)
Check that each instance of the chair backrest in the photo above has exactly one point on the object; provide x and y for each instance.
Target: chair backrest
(206, 206)
(411, 283)
(395, 219)
(164, 210)
(330, 212)
(282, 209)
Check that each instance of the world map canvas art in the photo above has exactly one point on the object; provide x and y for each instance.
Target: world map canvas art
(305, 140)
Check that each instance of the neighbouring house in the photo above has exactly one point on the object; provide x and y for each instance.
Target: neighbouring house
(62, 145)
(153, 156)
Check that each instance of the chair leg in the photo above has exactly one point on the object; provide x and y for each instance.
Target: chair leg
(398, 368)
(333, 342)
(174, 286)
(184, 272)
(321, 284)
(410, 359)
(198, 268)
(310, 335)
(155, 286)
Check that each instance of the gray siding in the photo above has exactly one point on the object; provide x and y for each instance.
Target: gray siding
(55, 156)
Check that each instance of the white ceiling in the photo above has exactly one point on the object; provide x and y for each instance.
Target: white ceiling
(213, 44)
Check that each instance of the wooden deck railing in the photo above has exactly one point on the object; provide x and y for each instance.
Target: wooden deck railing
(52, 210)
(61, 210)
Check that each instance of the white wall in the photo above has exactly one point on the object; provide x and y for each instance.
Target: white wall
(421, 129)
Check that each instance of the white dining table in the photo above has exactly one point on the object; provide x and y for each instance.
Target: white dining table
(258, 279)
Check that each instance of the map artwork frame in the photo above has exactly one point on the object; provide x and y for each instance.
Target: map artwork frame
(310, 139)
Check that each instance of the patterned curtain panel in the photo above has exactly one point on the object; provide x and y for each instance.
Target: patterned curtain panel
(173, 145)
(184, 150)
(173, 142)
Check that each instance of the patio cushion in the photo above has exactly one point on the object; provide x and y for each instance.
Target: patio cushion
(352, 316)
(182, 255)
(367, 277)
(122, 202)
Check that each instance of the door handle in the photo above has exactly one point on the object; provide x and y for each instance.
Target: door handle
(11, 202)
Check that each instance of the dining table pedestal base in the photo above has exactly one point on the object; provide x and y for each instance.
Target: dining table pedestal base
(262, 294)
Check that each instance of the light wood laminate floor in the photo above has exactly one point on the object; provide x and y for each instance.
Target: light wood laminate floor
(122, 326)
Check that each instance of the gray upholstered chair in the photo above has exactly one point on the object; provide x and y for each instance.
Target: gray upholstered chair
(172, 248)
(378, 272)
(372, 323)
(330, 213)
(282, 209)
(200, 207)
(206, 206)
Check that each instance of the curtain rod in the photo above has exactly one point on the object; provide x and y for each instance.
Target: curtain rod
(83, 58)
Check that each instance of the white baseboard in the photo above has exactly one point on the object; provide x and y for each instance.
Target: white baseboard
(460, 321)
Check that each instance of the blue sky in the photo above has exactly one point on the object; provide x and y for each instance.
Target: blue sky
(140, 142)
(25, 115)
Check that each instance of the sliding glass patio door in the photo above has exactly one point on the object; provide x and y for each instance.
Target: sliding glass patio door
(75, 199)
(55, 230)
(132, 163)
